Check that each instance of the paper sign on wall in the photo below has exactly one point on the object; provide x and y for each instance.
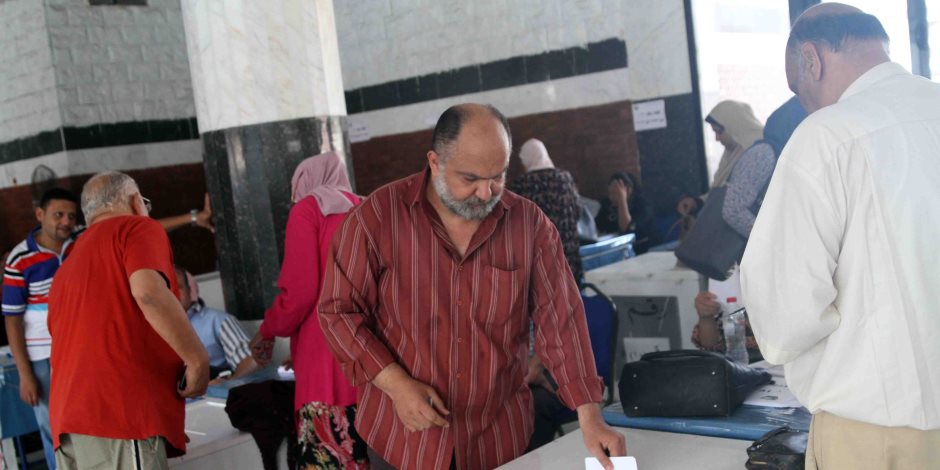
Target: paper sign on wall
(635, 348)
(649, 115)
(358, 132)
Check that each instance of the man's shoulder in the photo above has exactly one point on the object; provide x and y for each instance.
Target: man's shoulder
(373, 208)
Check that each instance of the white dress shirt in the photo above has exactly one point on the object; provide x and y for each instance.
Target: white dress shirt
(841, 276)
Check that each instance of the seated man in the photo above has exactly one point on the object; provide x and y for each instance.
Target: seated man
(219, 332)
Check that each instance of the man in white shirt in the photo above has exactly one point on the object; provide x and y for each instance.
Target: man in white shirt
(841, 275)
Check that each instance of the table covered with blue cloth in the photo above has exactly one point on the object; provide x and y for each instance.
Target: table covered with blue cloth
(16, 417)
(746, 423)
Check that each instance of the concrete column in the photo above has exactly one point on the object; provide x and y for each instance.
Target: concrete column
(269, 93)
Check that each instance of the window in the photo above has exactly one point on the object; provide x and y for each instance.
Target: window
(933, 37)
(740, 46)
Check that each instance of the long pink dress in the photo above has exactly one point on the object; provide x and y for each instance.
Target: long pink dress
(294, 311)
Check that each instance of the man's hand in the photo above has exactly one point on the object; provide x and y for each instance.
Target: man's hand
(204, 217)
(197, 380)
(536, 375)
(417, 405)
(602, 441)
(618, 192)
(261, 349)
(706, 306)
(29, 389)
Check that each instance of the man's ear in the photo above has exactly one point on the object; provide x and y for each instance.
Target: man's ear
(39, 213)
(812, 60)
(434, 161)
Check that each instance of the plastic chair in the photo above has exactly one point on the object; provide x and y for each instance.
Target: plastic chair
(603, 323)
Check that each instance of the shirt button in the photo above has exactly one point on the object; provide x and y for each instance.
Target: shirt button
(460, 340)
(458, 375)
(459, 303)
(459, 268)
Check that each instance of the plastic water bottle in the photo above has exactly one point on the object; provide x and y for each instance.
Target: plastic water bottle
(735, 329)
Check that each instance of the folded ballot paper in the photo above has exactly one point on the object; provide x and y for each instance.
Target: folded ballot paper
(620, 463)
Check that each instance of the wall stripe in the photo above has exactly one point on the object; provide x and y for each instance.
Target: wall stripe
(609, 54)
(98, 136)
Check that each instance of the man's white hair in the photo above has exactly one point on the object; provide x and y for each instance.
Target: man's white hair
(106, 191)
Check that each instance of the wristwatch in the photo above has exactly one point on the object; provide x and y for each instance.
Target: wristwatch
(192, 217)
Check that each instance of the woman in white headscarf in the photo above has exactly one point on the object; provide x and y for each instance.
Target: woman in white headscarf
(737, 129)
(554, 191)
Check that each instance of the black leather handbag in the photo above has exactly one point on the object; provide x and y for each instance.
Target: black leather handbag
(686, 382)
(783, 448)
(712, 247)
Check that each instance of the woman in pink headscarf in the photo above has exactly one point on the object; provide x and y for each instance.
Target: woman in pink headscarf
(325, 402)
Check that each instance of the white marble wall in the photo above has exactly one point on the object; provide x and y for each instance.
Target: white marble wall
(28, 102)
(384, 40)
(120, 158)
(119, 63)
(254, 62)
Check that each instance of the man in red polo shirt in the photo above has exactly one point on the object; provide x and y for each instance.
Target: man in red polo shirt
(121, 341)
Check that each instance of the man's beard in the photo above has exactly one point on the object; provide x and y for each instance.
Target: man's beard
(471, 208)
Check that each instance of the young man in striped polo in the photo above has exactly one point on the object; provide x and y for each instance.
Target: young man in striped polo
(27, 277)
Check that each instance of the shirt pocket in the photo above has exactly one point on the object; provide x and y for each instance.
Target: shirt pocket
(501, 298)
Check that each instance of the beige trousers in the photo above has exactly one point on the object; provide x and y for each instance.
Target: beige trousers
(837, 443)
(81, 452)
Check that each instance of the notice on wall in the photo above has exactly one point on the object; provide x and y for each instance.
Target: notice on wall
(649, 115)
(358, 132)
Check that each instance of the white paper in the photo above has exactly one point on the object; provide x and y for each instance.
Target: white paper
(620, 463)
(284, 373)
(634, 348)
(730, 287)
(358, 132)
(649, 115)
(773, 396)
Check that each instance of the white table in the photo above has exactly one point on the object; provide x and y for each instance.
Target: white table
(653, 450)
(653, 274)
(214, 443)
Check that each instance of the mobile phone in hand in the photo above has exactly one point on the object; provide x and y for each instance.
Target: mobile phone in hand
(181, 385)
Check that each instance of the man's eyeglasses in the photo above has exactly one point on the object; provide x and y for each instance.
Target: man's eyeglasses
(147, 204)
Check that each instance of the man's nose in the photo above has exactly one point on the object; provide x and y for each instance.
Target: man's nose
(485, 190)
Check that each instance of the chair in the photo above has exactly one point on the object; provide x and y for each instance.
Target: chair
(603, 323)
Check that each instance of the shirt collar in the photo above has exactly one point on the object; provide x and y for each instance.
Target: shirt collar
(196, 308)
(873, 76)
(33, 245)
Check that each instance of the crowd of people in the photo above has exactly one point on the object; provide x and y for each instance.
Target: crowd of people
(424, 318)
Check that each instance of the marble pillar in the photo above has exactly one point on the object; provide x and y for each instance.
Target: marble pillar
(269, 93)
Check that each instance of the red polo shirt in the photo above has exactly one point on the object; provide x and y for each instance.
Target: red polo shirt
(113, 375)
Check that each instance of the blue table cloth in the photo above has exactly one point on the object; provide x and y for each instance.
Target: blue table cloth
(746, 423)
(16, 417)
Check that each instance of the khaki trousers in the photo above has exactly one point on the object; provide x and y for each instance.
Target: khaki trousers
(837, 443)
(80, 452)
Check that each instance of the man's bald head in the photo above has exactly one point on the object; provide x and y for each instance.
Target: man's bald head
(108, 192)
(830, 46)
(454, 119)
(835, 24)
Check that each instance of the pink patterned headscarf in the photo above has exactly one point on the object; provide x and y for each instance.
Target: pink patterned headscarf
(324, 177)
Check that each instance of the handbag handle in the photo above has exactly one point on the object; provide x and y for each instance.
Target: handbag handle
(653, 356)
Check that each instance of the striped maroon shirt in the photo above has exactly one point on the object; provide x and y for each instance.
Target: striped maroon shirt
(396, 290)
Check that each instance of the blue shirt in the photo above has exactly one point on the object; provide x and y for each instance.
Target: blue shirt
(220, 333)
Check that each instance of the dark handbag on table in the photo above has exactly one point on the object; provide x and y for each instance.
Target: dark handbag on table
(686, 382)
(711, 247)
(783, 448)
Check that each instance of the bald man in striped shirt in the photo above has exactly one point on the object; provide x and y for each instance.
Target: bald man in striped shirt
(428, 295)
